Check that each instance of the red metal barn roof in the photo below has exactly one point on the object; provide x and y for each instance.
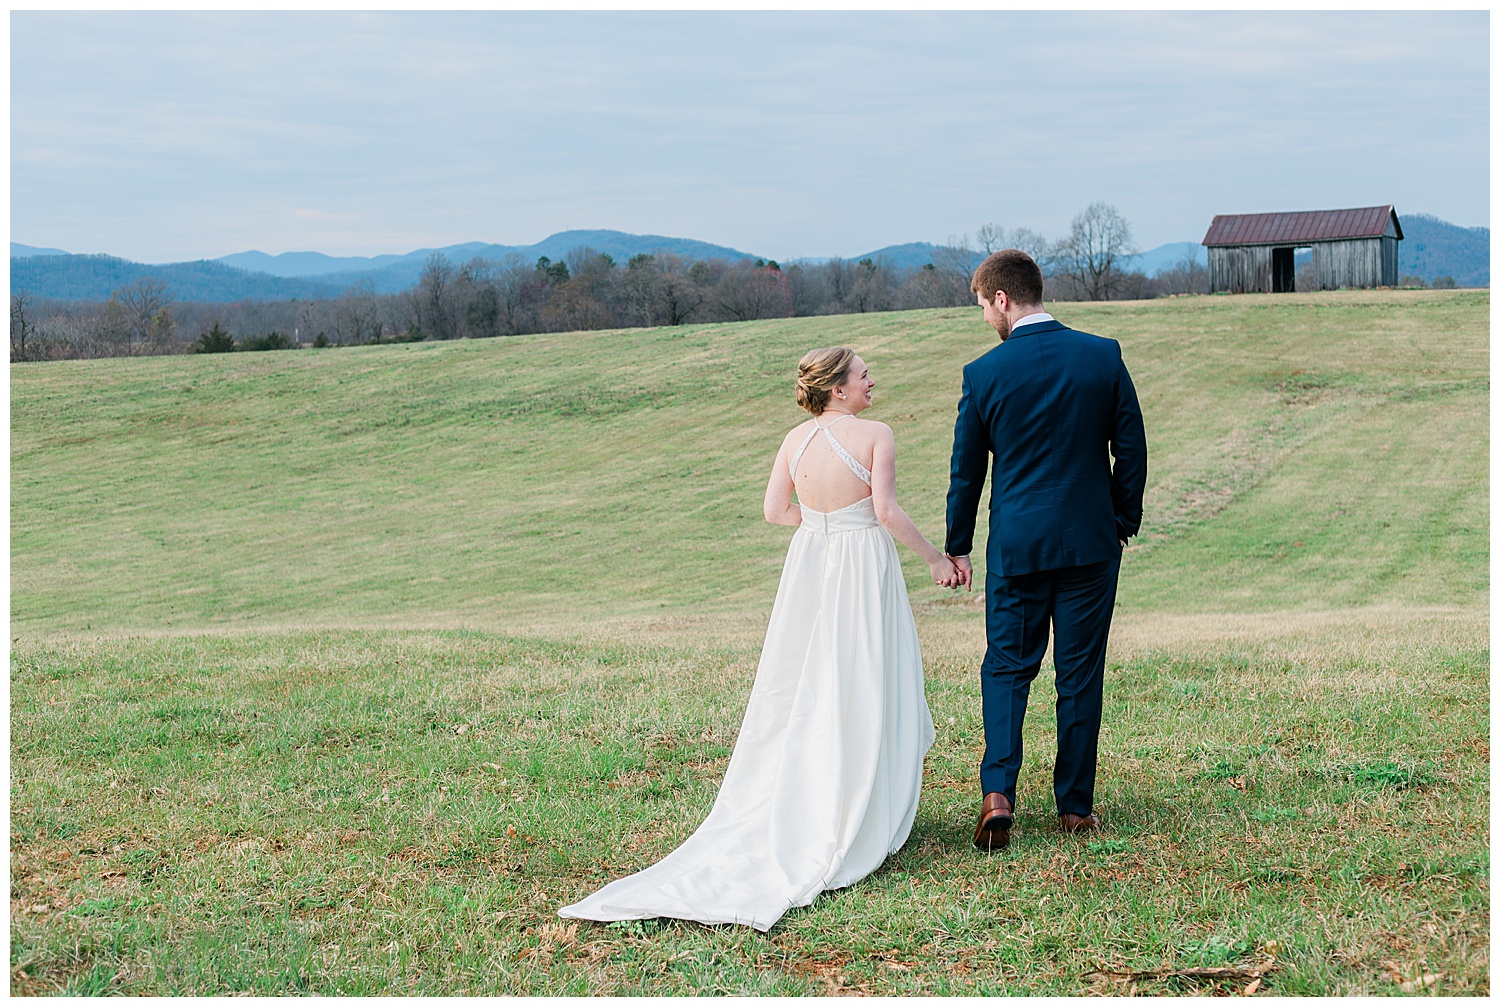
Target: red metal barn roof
(1302, 227)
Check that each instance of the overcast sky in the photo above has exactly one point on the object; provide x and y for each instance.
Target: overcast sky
(171, 136)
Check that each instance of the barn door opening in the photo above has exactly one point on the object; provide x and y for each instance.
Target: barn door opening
(1283, 271)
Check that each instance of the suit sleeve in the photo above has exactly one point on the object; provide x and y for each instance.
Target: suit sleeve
(971, 455)
(1127, 442)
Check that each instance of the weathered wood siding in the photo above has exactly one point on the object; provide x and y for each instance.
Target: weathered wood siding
(1239, 269)
(1359, 262)
(1354, 263)
(1390, 260)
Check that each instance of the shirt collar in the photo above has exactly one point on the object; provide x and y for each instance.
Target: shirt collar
(1032, 319)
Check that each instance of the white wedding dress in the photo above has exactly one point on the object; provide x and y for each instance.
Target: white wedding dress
(824, 779)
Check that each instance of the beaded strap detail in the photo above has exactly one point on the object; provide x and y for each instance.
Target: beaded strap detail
(838, 449)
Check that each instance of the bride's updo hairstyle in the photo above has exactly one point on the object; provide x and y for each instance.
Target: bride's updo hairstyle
(819, 373)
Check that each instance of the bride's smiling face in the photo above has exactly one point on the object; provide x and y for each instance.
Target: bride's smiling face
(858, 392)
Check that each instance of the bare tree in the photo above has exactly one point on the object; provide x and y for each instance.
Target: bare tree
(21, 326)
(872, 290)
(661, 290)
(955, 262)
(147, 319)
(991, 238)
(679, 297)
(930, 287)
(1094, 252)
(316, 320)
(807, 288)
(958, 259)
(431, 299)
(581, 291)
(640, 289)
(839, 278)
(482, 313)
(163, 328)
(583, 299)
(98, 330)
(112, 326)
(357, 317)
(1186, 276)
(748, 291)
(1033, 244)
(516, 292)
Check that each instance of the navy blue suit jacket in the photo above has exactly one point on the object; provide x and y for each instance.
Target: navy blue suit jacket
(1051, 405)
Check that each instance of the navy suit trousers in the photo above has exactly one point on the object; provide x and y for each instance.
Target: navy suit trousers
(1075, 604)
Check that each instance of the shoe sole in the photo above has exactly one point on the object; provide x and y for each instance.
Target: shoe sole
(993, 835)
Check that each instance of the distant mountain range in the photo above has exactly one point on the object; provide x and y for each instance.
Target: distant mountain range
(1435, 248)
(51, 272)
(1164, 257)
(1432, 248)
(94, 277)
(617, 244)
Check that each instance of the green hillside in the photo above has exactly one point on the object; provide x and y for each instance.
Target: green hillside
(338, 672)
(1306, 452)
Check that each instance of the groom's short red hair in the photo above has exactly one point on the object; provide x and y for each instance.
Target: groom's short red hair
(1012, 271)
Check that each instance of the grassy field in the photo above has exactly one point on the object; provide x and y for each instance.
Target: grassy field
(340, 671)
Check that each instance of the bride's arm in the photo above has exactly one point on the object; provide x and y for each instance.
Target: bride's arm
(895, 519)
(779, 508)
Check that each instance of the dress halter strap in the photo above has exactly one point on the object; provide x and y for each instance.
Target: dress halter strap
(838, 449)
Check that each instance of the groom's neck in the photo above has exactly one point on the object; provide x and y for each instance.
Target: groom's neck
(1014, 314)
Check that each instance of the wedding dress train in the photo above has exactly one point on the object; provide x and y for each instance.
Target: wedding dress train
(825, 775)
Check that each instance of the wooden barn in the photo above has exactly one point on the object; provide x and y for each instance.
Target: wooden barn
(1249, 252)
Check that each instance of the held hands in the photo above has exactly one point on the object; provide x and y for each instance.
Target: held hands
(944, 573)
(965, 571)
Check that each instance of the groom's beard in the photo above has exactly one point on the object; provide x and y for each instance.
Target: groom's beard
(1003, 328)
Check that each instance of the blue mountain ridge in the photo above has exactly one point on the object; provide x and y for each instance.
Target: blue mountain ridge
(910, 255)
(617, 244)
(95, 277)
(1432, 248)
(1164, 257)
(20, 251)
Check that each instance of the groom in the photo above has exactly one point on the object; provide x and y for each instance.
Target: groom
(1051, 406)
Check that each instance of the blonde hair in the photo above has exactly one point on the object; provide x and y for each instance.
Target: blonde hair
(819, 372)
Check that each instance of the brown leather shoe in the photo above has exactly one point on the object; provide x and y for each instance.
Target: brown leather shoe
(1080, 823)
(993, 832)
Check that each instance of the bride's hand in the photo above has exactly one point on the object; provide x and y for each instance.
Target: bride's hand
(944, 573)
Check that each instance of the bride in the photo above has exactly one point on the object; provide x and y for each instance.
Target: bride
(823, 782)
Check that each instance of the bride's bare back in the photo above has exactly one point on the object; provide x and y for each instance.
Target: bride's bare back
(835, 459)
(823, 480)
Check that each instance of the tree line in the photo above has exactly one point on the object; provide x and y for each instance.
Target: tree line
(586, 290)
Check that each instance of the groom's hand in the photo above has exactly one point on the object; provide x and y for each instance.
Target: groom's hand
(965, 571)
